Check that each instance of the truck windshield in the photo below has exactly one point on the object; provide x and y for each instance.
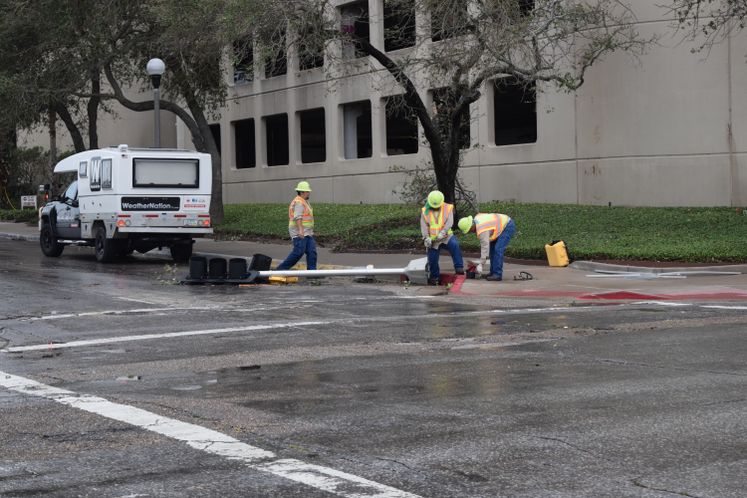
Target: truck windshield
(71, 192)
(154, 173)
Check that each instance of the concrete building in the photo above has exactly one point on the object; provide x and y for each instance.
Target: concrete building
(669, 129)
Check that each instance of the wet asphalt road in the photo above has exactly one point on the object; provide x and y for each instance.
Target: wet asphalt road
(361, 389)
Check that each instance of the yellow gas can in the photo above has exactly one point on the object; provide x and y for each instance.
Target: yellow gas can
(557, 254)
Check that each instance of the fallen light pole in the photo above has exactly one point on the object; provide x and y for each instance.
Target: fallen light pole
(413, 267)
(415, 271)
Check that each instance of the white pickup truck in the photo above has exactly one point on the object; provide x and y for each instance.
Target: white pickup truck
(126, 200)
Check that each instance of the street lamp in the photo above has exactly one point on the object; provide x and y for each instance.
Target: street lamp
(155, 69)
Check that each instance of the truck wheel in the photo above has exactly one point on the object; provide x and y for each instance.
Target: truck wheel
(181, 253)
(49, 245)
(106, 249)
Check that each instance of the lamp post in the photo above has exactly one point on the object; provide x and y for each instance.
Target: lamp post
(155, 69)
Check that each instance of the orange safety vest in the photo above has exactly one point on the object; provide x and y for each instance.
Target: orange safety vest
(490, 221)
(307, 221)
(436, 219)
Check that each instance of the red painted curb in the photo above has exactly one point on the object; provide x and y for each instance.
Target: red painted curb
(606, 296)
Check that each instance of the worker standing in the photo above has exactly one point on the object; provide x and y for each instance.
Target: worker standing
(301, 229)
(494, 230)
(435, 225)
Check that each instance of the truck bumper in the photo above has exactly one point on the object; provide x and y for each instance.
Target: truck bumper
(158, 230)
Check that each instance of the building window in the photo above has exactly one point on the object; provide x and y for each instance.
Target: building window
(401, 127)
(449, 19)
(356, 117)
(244, 148)
(310, 50)
(444, 101)
(243, 66)
(399, 24)
(514, 112)
(215, 131)
(355, 23)
(276, 63)
(276, 129)
(313, 139)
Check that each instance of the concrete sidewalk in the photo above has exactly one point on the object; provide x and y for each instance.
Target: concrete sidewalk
(582, 280)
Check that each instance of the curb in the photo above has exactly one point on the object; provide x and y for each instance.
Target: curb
(17, 236)
(594, 266)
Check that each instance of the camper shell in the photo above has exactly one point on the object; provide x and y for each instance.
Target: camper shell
(126, 199)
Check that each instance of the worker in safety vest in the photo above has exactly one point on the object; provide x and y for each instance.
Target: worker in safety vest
(301, 229)
(436, 220)
(494, 231)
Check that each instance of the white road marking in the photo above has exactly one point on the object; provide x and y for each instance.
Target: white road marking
(59, 316)
(724, 307)
(327, 479)
(150, 337)
(269, 326)
(210, 441)
(664, 303)
(135, 300)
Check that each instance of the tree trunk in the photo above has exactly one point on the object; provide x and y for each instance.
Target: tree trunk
(52, 127)
(206, 143)
(442, 151)
(93, 111)
(72, 128)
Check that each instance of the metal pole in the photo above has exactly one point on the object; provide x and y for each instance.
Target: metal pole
(414, 270)
(333, 273)
(157, 117)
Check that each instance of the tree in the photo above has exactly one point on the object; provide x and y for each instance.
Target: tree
(710, 21)
(465, 45)
(55, 56)
(191, 37)
(50, 65)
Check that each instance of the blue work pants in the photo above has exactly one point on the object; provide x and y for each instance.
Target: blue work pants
(456, 256)
(301, 245)
(498, 248)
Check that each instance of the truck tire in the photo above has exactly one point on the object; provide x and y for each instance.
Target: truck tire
(106, 249)
(49, 245)
(181, 253)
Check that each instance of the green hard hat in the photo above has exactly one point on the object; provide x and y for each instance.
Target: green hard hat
(303, 187)
(465, 224)
(435, 199)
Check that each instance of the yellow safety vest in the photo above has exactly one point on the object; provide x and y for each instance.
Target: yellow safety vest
(436, 219)
(307, 221)
(490, 221)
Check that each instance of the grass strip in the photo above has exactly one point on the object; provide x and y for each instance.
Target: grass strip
(697, 235)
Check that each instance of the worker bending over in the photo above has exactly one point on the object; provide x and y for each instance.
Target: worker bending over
(301, 229)
(435, 226)
(494, 231)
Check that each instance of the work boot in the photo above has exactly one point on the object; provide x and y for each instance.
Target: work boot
(459, 271)
(493, 278)
(433, 281)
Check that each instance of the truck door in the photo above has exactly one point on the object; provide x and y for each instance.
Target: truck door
(68, 214)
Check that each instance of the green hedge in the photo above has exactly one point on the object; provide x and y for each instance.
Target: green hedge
(19, 215)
